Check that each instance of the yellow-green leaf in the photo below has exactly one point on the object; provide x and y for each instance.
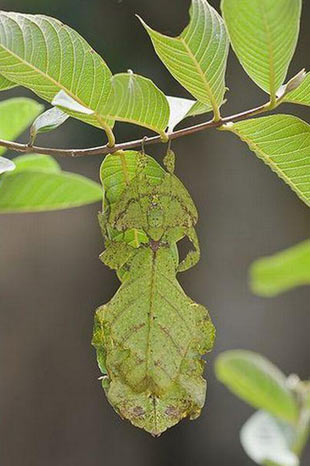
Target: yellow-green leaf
(264, 35)
(197, 57)
(281, 272)
(46, 56)
(283, 143)
(258, 382)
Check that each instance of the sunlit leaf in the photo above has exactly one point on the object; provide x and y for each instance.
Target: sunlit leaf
(301, 95)
(197, 58)
(283, 143)
(6, 165)
(39, 185)
(62, 99)
(258, 382)
(264, 35)
(5, 84)
(47, 121)
(285, 270)
(182, 108)
(15, 116)
(137, 100)
(46, 56)
(36, 162)
(266, 439)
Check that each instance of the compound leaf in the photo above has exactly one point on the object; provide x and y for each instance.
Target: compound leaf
(15, 116)
(283, 143)
(197, 58)
(267, 440)
(264, 35)
(285, 270)
(46, 56)
(38, 185)
(258, 382)
(136, 99)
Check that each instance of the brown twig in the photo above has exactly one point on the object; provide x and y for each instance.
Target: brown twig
(103, 150)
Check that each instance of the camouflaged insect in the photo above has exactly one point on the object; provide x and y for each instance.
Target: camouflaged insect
(150, 337)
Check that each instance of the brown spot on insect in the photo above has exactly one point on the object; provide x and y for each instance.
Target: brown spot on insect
(172, 411)
(138, 411)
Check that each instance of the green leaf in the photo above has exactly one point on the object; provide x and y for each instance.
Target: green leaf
(285, 270)
(47, 121)
(36, 162)
(197, 58)
(152, 332)
(5, 84)
(137, 100)
(183, 108)
(63, 61)
(283, 143)
(266, 439)
(264, 35)
(39, 185)
(301, 95)
(15, 116)
(6, 165)
(258, 382)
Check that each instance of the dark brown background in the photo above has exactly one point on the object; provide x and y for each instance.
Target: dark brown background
(52, 409)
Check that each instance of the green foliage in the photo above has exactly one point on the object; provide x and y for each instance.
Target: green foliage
(15, 116)
(277, 434)
(264, 35)
(136, 99)
(282, 142)
(65, 62)
(257, 381)
(197, 58)
(5, 84)
(150, 337)
(38, 185)
(301, 95)
(281, 272)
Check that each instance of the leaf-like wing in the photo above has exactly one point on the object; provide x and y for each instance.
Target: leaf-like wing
(267, 440)
(283, 143)
(117, 170)
(285, 270)
(264, 35)
(197, 58)
(257, 381)
(39, 185)
(46, 56)
(15, 116)
(136, 99)
(153, 336)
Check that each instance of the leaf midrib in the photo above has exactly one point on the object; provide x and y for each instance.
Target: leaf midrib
(46, 76)
(261, 5)
(201, 73)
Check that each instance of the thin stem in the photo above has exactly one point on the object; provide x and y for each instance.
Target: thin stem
(108, 149)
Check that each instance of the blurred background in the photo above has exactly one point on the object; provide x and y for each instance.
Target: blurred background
(53, 411)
